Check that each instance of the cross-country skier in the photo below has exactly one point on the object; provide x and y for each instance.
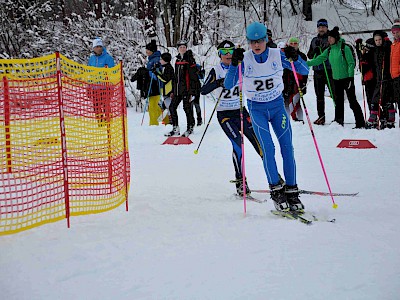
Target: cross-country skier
(228, 111)
(262, 69)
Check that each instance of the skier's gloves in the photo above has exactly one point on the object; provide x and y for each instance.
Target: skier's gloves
(237, 56)
(291, 53)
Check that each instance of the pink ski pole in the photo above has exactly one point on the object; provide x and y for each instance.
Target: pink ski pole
(334, 205)
(242, 136)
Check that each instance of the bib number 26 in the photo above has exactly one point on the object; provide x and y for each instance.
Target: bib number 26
(264, 85)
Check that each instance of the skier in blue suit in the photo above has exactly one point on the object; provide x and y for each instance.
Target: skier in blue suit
(100, 57)
(262, 70)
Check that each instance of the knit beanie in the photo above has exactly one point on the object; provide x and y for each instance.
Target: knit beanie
(334, 33)
(152, 46)
(322, 22)
(181, 43)
(396, 27)
(166, 57)
(225, 44)
(294, 40)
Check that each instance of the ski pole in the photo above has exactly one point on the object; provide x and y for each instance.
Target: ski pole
(363, 91)
(147, 100)
(334, 205)
(209, 121)
(380, 95)
(242, 137)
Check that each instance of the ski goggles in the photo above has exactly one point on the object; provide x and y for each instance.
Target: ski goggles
(225, 51)
(259, 41)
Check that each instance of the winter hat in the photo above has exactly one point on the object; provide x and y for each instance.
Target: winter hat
(322, 22)
(256, 31)
(381, 33)
(181, 43)
(97, 42)
(294, 40)
(166, 57)
(396, 27)
(152, 46)
(225, 44)
(334, 33)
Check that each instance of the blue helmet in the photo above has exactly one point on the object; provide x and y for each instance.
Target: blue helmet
(256, 31)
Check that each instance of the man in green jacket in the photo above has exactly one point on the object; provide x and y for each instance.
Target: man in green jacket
(342, 63)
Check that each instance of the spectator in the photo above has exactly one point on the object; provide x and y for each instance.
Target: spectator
(323, 71)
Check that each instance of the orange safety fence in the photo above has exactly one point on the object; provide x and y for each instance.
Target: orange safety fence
(63, 137)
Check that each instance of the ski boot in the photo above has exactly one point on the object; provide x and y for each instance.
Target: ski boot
(175, 131)
(199, 121)
(372, 120)
(292, 196)
(239, 187)
(279, 197)
(319, 121)
(391, 118)
(188, 132)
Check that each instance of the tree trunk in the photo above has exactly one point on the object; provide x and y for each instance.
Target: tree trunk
(146, 13)
(98, 9)
(177, 28)
(307, 9)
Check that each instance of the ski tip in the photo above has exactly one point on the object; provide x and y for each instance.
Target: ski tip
(335, 206)
(196, 151)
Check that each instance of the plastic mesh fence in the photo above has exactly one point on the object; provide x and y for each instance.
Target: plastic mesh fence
(63, 138)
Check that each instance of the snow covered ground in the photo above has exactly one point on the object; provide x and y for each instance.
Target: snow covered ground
(186, 236)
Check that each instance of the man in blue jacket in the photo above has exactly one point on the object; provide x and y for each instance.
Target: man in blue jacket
(99, 92)
(100, 57)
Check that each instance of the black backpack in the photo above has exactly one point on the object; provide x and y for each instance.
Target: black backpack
(343, 54)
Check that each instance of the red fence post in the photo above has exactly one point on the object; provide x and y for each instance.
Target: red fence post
(63, 138)
(7, 123)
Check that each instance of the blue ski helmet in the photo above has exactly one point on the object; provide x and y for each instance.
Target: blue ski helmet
(256, 31)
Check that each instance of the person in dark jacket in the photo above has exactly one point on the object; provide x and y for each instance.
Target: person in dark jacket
(343, 76)
(166, 76)
(323, 71)
(382, 106)
(365, 57)
(186, 86)
(291, 91)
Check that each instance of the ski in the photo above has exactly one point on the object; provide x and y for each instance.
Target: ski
(292, 216)
(251, 198)
(313, 193)
(304, 217)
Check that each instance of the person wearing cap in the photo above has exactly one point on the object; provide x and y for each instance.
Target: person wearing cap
(322, 72)
(343, 76)
(153, 92)
(291, 91)
(186, 86)
(382, 110)
(166, 76)
(262, 69)
(100, 94)
(395, 61)
(228, 111)
(100, 57)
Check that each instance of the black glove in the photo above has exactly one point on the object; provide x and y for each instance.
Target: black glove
(220, 82)
(291, 53)
(155, 67)
(237, 56)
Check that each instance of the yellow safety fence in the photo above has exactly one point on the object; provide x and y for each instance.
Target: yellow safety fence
(63, 137)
